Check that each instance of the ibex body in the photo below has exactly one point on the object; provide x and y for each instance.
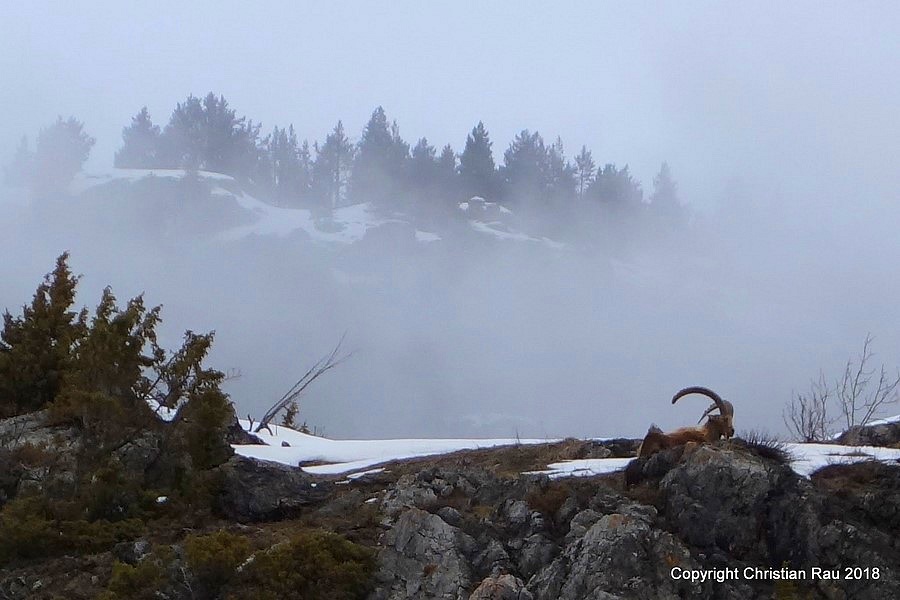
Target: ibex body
(716, 427)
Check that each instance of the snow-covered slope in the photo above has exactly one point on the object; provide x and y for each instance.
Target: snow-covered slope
(805, 459)
(345, 225)
(346, 456)
(349, 223)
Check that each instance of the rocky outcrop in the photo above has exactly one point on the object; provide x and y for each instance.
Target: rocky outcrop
(705, 508)
(35, 455)
(462, 529)
(253, 490)
(423, 556)
(501, 587)
(884, 434)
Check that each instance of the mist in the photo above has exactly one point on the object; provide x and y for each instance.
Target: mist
(779, 124)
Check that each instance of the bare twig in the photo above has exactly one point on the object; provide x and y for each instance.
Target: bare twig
(807, 414)
(324, 364)
(859, 393)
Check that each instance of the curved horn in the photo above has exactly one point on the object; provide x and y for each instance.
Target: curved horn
(725, 407)
(714, 406)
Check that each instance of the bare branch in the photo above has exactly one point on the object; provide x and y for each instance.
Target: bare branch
(322, 366)
(807, 414)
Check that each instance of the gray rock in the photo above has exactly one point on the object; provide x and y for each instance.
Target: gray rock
(450, 515)
(131, 552)
(887, 434)
(408, 492)
(619, 556)
(501, 587)
(714, 497)
(138, 454)
(493, 559)
(255, 490)
(536, 552)
(580, 524)
(423, 557)
(517, 512)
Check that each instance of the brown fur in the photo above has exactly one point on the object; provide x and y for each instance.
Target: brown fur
(715, 428)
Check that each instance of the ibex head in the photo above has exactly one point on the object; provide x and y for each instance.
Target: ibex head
(722, 422)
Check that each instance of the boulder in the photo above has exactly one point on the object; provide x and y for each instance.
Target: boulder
(501, 587)
(255, 490)
(423, 557)
(883, 434)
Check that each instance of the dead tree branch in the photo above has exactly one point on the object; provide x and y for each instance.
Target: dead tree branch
(324, 364)
(807, 414)
(863, 390)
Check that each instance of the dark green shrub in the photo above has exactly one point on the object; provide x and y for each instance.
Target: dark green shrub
(213, 559)
(313, 565)
(35, 349)
(206, 417)
(29, 529)
(143, 581)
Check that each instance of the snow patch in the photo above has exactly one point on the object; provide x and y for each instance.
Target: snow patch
(805, 460)
(493, 228)
(426, 236)
(885, 421)
(349, 456)
(164, 413)
(350, 222)
(585, 467)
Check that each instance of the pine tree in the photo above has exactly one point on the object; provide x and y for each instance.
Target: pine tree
(477, 172)
(616, 188)
(60, 152)
(287, 179)
(561, 184)
(379, 166)
(18, 172)
(525, 171)
(331, 169)
(664, 200)
(446, 168)
(141, 143)
(447, 180)
(182, 144)
(584, 171)
(35, 348)
(423, 167)
(304, 173)
(207, 134)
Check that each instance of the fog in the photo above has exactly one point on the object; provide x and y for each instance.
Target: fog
(780, 125)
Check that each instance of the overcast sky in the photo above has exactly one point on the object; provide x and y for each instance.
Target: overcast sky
(720, 90)
(779, 120)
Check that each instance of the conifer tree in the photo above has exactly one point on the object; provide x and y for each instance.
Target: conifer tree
(60, 152)
(616, 188)
(584, 170)
(560, 182)
(525, 171)
(287, 178)
(423, 167)
(447, 165)
(381, 156)
(331, 169)
(141, 142)
(477, 172)
(35, 348)
(207, 134)
(664, 199)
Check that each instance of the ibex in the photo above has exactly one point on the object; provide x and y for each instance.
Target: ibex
(715, 428)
